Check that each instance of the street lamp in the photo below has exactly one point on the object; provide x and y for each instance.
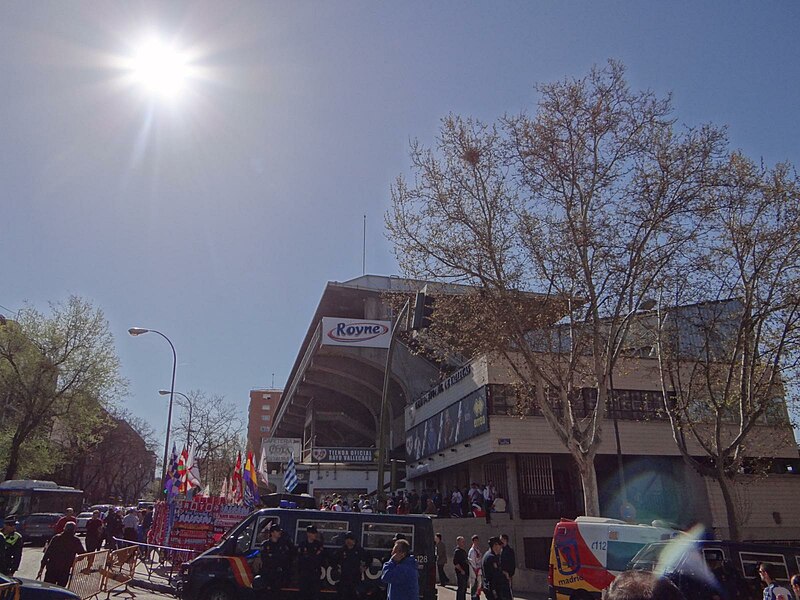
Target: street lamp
(189, 404)
(134, 331)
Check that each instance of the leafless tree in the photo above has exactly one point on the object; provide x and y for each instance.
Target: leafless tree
(563, 221)
(729, 351)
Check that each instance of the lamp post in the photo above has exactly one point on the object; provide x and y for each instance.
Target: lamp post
(135, 331)
(189, 404)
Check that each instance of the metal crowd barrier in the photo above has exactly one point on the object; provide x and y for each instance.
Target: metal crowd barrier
(88, 574)
(100, 572)
(162, 561)
(9, 591)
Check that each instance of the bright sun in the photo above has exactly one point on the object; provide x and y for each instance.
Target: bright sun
(162, 69)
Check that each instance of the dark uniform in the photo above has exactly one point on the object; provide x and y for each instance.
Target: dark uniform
(495, 583)
(350, 562)
(276, 558)
(310, 557)
(11, 551)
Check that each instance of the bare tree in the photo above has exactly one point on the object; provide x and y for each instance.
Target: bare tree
(216, 432)
(563, 222)
(726, 363)
(54, 366)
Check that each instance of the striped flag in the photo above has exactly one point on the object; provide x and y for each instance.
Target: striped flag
(263, 470)
(290, 475)
(236, 480)
(251, 497)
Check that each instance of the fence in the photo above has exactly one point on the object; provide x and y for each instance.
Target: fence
(100, 572)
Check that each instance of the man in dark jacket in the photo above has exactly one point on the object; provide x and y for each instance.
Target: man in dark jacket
(11, 552)
(508, 561)
(60, 555)
(94, 532)
(461, 565)
(351, 560)
(495, 582)
(276, 558)
(310, 555)
(400, 573)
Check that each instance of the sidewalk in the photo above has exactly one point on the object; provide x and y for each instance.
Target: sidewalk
(449, 593)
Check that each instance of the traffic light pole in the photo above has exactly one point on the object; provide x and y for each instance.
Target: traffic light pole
(382, 426)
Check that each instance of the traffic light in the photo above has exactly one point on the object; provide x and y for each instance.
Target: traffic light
(423, 309)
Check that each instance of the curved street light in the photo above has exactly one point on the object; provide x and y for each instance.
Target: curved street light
(135, 331)
(189, 404)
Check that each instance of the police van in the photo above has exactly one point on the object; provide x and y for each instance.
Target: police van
(226, 572)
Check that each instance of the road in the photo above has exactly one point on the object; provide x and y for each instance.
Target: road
(32, 556)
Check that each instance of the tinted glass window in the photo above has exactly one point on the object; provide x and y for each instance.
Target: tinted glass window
(380, 536)
(750, 562)
(244, 537)
(262, 532)
(620, 554)
(331, 533)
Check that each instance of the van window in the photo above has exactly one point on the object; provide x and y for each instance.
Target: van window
(262, 531)
(379, 536)
(619, 554)
(331, 533)
(244, 537)
(750, 562)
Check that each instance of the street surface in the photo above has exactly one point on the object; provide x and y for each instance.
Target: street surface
(32, 556)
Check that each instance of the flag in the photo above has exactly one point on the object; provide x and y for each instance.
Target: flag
(263, 471)
(182, 462)
(172, 479)
(290, 475)
(223, 491)
(192, 471)
(236, 480)
(250, 482)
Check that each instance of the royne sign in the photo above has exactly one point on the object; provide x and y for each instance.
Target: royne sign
(360, 333)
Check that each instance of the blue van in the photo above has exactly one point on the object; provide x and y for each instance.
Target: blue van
(225, 571)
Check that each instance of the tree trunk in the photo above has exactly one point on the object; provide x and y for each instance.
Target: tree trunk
(13, 458)
(591, 495)
(730, 507)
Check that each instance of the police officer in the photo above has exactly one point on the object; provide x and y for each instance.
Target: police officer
(11, 553)
(276, 557)
(310, 556)
(352, 560)
(495, 582)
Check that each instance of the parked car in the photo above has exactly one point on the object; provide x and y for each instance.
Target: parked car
(83, 519)
(31, 589)
(145, 504)
(39, 527)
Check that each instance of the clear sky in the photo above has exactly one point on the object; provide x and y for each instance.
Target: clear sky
(217, 217)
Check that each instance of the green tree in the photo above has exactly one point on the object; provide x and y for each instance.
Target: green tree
(56, 370)
(568, 217)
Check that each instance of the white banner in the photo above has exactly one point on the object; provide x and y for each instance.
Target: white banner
(356, 332)
(280, 449)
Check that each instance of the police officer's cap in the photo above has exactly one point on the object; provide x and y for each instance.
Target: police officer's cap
(275, 527)
(11, 521)
(349, 536)
(311, 529)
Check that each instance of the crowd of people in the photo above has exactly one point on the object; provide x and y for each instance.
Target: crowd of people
(477, 500)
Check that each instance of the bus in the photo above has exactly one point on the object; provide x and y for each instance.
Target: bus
(589, 552)
(22, 497)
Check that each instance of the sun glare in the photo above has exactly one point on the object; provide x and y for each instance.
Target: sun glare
(160, 68)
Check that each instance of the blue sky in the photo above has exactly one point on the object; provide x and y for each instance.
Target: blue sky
(218, 218)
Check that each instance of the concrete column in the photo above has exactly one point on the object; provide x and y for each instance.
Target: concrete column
(513, 489)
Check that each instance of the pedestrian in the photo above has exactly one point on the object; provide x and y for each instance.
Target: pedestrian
(475, 558)
(441, 560)
(276, 556)
(352, 562)
(69, 517)
(430, 508)
(462, 568)
(310, 556)
(113, 524)
(130, 526)
(642, 585)
(400, 573)
(773, 591)
(94, 532)
(508, 561)
(455, 503)
(11, 541)
(495, 582)
(59, 556)
(795, 581)
(488, 501)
